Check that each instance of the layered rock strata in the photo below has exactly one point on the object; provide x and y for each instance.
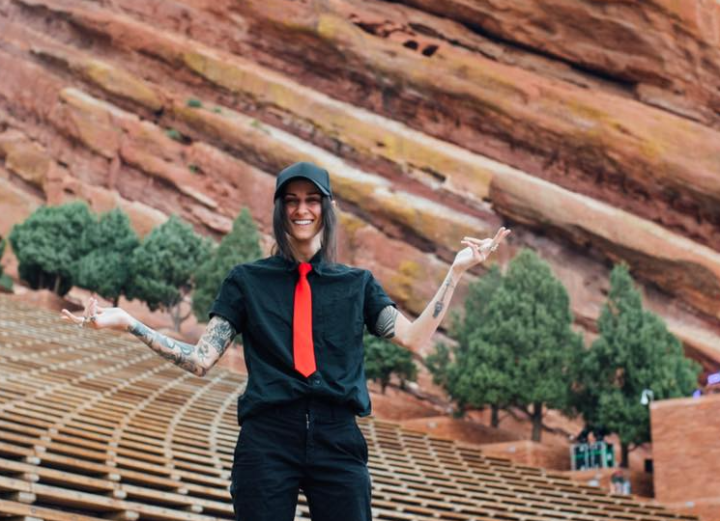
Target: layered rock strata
(434, 123)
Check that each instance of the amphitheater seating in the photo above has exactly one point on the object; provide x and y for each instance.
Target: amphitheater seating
(93, 425)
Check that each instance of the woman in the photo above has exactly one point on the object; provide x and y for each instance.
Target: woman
(301, 316)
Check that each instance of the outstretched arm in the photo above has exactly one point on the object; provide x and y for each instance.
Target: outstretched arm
(415, 334)
(197, 359)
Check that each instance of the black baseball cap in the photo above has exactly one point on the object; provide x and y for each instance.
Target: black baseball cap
(304, 170)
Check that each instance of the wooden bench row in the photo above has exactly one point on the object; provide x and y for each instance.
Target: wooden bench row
(86, 433)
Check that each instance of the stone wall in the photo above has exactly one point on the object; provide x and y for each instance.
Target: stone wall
(531, 453)
(686, 453)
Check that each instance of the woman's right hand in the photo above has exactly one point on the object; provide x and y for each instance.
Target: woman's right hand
(96, 317)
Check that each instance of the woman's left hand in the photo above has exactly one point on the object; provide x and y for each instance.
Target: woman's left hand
(478, 250)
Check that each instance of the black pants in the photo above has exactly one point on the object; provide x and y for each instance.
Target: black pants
(309, 445)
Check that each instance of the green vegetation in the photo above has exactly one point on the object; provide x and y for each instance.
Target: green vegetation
(259, 126)
(529, 320)
(384, 359)
(634, 352)
(5, 281)
(517, 349)
(49, 244)
(174, 134)
(194, 103)
(109, 243)
(163, 267)
(62, 246)
(241, 245)
(475, 373)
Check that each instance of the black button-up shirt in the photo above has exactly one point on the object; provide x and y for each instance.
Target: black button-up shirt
(257, 299)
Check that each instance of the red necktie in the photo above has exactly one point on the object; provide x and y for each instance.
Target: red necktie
(303, 350)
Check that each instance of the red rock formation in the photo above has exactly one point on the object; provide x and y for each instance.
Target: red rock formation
(667, 52)
(603, 145)
(437, 120)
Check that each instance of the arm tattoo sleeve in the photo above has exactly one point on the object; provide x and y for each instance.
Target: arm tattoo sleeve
(385, 326)
(217, 336)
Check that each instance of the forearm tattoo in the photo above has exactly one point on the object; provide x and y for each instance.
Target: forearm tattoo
(385, 326)
(217, 336)
(440, 304)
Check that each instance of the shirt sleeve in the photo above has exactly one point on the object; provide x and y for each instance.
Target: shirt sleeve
(230, 303)
(375, 301)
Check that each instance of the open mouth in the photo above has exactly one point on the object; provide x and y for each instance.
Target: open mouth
(303, 222)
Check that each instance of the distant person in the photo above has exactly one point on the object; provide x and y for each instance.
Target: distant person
(620, 483)
(301, 316)
(616, 482)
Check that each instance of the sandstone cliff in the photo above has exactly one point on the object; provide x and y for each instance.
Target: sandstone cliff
(590, 128)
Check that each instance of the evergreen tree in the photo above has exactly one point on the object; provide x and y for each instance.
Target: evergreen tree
(529, 323)
(474, 373)
(479, 295)
(163, 266)
(634, 352)
(383, 359)
(241, 245)
(48, 245)
(5, 281)
(110, 243)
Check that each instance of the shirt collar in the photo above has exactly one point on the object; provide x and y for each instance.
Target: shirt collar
(317, 263)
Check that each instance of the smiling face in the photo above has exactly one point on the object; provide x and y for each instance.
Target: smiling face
(303, 210)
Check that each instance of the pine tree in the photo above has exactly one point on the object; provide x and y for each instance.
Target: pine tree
(241, 245)
(529, 323)
(474, 373)
(634, 352)
(5, 281)
(110, 243)
(48, 245)
(163, 266)
(479, 295)
(383, 359)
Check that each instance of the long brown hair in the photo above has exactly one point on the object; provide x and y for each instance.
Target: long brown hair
(328, 242)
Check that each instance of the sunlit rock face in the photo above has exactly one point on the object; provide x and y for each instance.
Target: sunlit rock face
(590, 128)
(665, 53)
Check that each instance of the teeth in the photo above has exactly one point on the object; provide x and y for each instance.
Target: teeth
(303, 222)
